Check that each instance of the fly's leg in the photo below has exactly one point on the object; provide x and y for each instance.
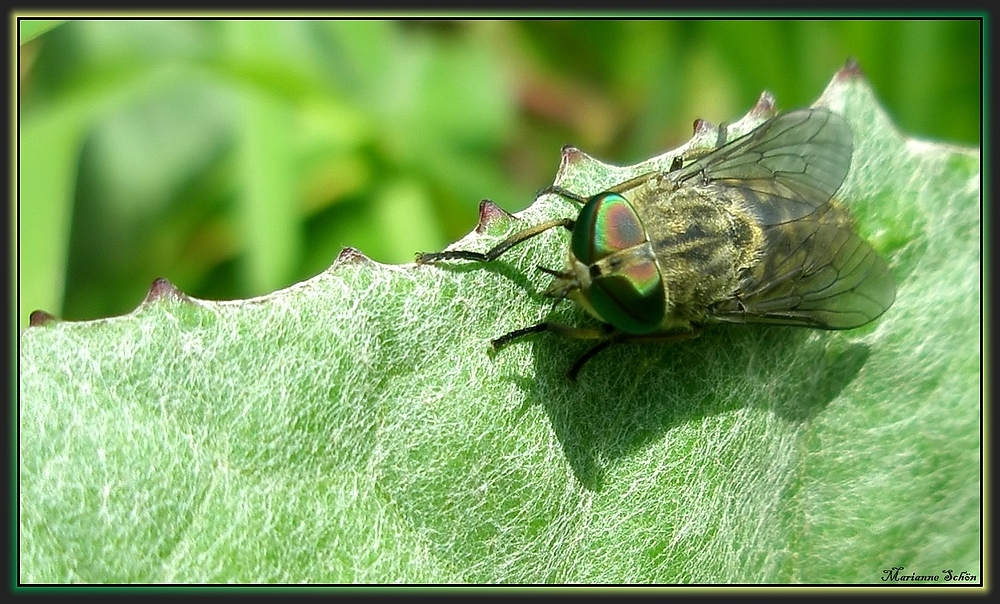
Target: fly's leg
(499, 249)
(618, 337)
(606, 334)
(561, 192)
(566, 331)
(655, 338)
(721, 137)
(580, 362)
(603, 333)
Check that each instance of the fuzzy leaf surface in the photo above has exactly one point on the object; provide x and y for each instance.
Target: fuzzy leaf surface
(354, 428)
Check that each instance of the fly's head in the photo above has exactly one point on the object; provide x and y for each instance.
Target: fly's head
(611, 270)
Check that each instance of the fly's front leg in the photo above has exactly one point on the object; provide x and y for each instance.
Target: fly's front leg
(618, 337)
(656, 338)
(566, 331)
(605, 334)
(499, 249)
(562, 192)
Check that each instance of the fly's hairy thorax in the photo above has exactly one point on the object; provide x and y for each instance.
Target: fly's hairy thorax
(704, 237)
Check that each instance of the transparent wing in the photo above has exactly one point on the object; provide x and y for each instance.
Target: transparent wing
(787, 168)
(815, 272)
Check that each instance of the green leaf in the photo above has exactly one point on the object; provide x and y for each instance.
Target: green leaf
(353, 428)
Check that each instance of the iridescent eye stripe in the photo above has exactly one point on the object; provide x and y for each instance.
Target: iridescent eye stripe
(617, 300)
(617, 227)
(607, 224)
(644, 277)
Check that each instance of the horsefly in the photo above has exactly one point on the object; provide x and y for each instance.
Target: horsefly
(746, 233)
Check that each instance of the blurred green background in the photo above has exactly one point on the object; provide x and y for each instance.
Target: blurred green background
(238, 157)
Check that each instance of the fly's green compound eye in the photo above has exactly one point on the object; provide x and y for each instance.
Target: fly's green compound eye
(607, 224)
(631, 296)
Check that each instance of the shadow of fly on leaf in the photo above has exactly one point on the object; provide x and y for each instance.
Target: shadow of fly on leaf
(748, 232)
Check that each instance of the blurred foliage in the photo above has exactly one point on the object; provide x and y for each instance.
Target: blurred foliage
(238, 157)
